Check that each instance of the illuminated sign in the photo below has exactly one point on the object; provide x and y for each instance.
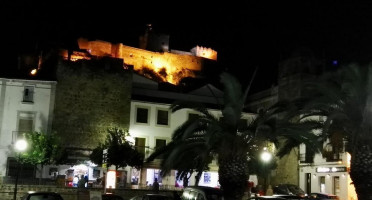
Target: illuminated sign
(111, 179)
(330, 169)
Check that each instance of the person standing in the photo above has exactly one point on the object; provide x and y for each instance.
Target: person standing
(269, 191)
(81, 182)
(155, 186)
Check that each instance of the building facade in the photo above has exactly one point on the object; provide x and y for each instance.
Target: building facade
(326, 173)
(25, 105)
(152, 124)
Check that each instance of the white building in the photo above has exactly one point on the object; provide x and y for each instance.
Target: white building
(326, 174)
(25, 105)
(152, 125)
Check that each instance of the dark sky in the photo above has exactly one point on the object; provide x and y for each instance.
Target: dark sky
(246, 34)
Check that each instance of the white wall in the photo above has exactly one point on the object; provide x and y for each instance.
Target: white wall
(11, 104)
(152, 131)
(329, 177)
(347, 191)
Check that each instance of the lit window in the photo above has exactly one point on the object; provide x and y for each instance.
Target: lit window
(140, 144)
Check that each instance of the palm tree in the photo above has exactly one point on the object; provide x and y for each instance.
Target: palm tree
(199, 140)
(344, 99)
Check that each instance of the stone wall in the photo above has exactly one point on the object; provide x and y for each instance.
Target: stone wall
(91, 96)
(171, 67)
(7, 191)
(287, 170)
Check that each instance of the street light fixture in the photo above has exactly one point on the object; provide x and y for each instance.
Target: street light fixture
(265, 157)
(20, 146)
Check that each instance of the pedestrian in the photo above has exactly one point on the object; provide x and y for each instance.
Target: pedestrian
(81, 182)
(269, 191)
(155, 186)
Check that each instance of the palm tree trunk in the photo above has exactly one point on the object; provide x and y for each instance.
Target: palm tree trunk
(233, 176)
(361, 172)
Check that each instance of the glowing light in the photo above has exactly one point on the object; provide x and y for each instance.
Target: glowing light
(130, 139)
(33, 72)
(21, 145)
(266, 156)
(205, 52)
(111, 179)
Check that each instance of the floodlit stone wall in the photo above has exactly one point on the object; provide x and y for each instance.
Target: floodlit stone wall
(172, 67)
(92, 96)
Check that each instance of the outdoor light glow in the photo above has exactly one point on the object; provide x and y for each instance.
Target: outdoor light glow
(111, 179)
(33, 72)
(266, 156)
(21, 145)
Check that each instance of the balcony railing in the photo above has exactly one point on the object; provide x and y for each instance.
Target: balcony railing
(17, 134)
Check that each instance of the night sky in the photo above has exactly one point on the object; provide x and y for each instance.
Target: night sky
(245, 34)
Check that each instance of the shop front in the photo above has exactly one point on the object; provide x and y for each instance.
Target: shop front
(330, 179)
(152, 170)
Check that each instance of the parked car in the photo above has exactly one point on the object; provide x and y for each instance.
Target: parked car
(151, 197)
(289, 189)
(322, 196)
(287, 196)
(201, 192)
(109, 196)
(40, 195)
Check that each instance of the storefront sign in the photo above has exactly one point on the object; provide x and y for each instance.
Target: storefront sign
(111, 179)
(330, 169)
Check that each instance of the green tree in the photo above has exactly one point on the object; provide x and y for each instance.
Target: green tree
(200, 139)
(344, 99)
(120, 152)
(43, 149)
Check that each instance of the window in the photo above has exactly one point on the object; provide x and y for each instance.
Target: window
(25, 123)
(96, 173)
(140, 145)
(322, 184)
(162, 117)
(142, 115)
(193, 116)
(332, 153)
(307, 156)
(336, 185)
(160, 143)
(28, 170)
(28, 94)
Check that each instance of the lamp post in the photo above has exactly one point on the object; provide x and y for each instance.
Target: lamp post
(20, 146)
(265, 157)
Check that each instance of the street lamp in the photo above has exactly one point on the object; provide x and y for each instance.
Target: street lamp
(265, 157)
(20, 146)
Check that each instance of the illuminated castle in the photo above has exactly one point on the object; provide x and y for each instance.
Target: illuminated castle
(153, 60)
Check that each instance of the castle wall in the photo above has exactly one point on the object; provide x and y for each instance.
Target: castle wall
(91, 97)
(170, 66)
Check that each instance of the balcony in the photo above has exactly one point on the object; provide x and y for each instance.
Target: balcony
(18, 134)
